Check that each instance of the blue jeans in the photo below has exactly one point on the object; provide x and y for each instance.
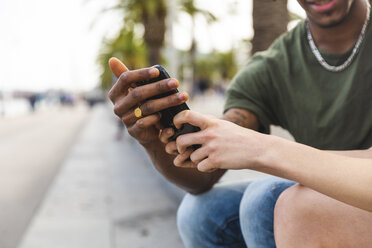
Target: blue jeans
(235, 215)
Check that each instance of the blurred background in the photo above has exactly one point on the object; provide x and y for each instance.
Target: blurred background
(70, 175)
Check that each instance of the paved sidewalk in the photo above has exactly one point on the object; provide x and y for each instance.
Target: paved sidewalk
(106, 195)
(32, 148)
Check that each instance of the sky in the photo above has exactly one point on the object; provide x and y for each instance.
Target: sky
(50, 44)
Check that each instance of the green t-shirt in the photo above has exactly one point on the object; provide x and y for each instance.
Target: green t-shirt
(287, 86)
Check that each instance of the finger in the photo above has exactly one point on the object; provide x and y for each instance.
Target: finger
(124, 110)
(206, 166)
(153, 106)
(166, 134)
(198, 155)
(182, 160)
(188, 164)
(192, 117)
(117, 67)
(135, 76)
(128, 78)
(159, 125)
(137, 131)
(148, 121)
(186, 140)
(171, 148)
(129, 119)
(142, 93)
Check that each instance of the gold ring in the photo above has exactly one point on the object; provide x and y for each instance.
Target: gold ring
(138, 112)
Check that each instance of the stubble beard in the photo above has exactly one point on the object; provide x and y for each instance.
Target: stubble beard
(333, 23)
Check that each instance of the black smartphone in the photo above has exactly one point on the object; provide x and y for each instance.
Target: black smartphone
(168, 114)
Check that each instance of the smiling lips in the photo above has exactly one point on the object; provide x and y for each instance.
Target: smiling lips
(322, 5)
(320, 2)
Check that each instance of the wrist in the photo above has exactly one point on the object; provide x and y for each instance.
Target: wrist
(270, 153)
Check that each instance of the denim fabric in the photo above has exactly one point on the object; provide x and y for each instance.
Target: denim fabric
(231, 216)
(257, 211)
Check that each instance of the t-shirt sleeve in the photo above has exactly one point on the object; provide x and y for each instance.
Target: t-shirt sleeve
(250, 89)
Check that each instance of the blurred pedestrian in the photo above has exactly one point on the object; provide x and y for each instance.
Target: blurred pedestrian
(32, 99)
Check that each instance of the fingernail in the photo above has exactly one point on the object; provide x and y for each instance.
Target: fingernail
(153, 72)
(181, 96)
(172, 83)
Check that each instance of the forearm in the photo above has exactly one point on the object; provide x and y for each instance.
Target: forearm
(343, 178)
(189, 179)
(242, 118)
(355, 153)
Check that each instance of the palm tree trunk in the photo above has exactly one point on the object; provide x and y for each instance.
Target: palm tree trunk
(193, 52)
(154, 24)
(270, 19)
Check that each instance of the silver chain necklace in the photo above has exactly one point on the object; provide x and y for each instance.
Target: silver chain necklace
(349, 60)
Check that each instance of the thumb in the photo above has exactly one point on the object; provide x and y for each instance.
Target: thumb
(117, 67)
(191, 117)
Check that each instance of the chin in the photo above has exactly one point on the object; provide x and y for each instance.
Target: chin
(328, 20)
(333, 13)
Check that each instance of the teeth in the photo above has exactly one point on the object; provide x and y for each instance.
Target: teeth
(322, 2)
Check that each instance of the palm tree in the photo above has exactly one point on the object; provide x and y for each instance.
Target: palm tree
(270, 19)
(127, 47)
(151, 15)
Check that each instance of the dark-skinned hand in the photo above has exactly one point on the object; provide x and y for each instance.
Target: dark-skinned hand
(126, 97)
